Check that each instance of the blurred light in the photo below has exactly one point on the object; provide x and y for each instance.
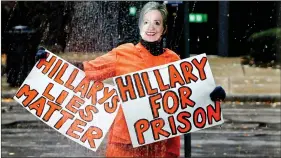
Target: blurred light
(198, 18)
(172, 2)
(132, 11)
(191, 18)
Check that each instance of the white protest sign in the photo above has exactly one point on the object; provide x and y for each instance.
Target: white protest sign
(168, 100)
(60, 95)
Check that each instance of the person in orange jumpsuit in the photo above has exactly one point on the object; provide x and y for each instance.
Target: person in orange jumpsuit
(127, 58)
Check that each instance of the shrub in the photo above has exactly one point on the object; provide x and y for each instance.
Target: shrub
(265, 47)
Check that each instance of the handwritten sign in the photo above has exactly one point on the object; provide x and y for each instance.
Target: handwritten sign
(169, 100)
(60, 95)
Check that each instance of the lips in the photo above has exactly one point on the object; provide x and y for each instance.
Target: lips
(150, 33)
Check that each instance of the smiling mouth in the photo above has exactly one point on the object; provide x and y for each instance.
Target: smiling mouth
(150, 33)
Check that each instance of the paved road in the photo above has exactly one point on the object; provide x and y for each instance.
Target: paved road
(249, 130)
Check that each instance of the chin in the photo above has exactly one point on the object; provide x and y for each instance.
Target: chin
(150, 39)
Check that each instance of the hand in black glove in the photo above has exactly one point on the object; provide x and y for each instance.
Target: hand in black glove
(218, 94)
(41, 54)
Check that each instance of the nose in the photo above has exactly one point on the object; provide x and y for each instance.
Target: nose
(151, 27)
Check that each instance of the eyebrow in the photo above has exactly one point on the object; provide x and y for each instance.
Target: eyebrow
(154, 20)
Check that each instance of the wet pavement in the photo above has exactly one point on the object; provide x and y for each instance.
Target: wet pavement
(249, 130)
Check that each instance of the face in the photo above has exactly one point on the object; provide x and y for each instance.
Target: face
(152, 28)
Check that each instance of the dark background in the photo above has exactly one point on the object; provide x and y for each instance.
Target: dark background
(72, 26)
(245, 18)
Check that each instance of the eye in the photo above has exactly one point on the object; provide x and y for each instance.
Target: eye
(157, 23)
(145, 22)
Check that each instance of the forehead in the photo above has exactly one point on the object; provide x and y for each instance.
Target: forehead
(153, 15)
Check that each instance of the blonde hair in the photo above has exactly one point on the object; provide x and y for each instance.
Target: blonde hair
(154, 6)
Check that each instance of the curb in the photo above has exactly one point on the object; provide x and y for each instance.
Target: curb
(254, 97)
(7, 95)
(240, 97)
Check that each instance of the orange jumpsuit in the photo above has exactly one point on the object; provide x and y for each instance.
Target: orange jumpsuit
(125, 59)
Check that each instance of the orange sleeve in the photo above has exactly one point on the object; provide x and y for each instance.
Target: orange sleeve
(177, 57)
(102, 67)
(173, 56)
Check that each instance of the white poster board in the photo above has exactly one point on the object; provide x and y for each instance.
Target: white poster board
(168, 100)
(60, 95)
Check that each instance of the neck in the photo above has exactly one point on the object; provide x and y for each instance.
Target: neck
(155, 48)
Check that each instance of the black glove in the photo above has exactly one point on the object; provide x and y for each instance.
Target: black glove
(41, 54)
(218, 94)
